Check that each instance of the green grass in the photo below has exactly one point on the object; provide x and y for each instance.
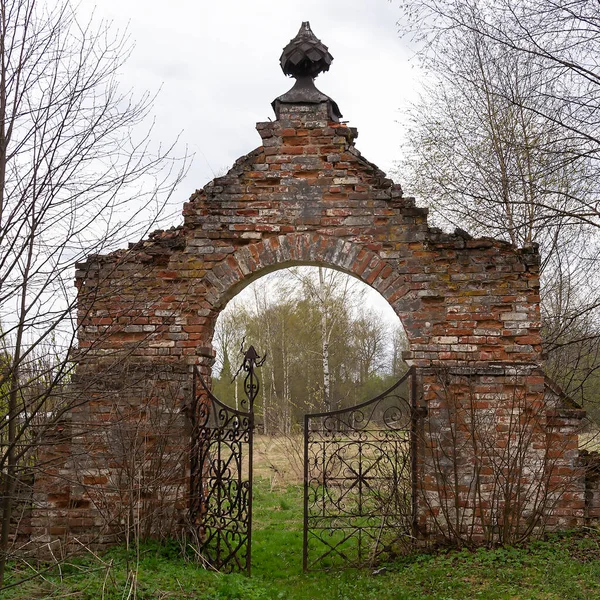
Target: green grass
(563, 566)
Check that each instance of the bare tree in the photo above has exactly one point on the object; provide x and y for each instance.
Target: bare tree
(501, 143)
(399, 343)
(228, 340)
(77, 176)
(561, 40)
(369, 336)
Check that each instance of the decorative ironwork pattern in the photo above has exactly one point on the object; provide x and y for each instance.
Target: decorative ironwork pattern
(221, 507)
(359, 474)
(222, 462)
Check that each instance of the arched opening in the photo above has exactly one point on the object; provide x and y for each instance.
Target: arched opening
(331, 343)
(253, 261)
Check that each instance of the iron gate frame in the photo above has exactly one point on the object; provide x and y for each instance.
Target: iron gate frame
(221, 490)
(334, 417)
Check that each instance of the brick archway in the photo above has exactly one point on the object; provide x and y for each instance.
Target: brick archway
(253, 261)
(305, 196)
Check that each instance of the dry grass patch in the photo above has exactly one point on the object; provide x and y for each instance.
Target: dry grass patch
(279, 459)
(589, 439)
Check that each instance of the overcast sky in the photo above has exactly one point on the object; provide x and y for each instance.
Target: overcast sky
(217, 66)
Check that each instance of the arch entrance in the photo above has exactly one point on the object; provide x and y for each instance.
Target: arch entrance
(356, 459)
(359, 484)
(306, 195)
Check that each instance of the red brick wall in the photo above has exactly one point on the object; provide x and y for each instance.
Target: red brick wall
(306, 196)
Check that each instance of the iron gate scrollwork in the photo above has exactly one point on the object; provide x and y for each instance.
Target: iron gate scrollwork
(221, 472)
(359, 488)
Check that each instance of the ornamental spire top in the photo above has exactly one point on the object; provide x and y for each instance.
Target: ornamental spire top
(305, 55)
(304, 58)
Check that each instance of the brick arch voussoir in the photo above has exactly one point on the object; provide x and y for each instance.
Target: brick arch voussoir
(230, 276)
(250, 262)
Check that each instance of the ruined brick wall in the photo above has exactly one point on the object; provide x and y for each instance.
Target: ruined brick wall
(500, 458)
(470, 308)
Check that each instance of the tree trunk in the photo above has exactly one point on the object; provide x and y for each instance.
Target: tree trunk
(325, 344)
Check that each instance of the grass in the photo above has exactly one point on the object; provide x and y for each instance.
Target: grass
(560, 567)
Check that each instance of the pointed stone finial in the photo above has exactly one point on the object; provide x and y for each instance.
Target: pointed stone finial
(305, 55)
(304, 58)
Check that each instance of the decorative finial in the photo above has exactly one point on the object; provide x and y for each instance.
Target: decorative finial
(305, 55)
(304, 58)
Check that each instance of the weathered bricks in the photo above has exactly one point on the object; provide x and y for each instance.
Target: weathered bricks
(306, 196)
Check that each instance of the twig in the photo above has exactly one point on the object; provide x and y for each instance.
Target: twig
(205, 563)
(57, 563)
(38, 573)
(106, 578)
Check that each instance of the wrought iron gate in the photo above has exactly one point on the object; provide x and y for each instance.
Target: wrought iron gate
(359, 480)
(221, 472)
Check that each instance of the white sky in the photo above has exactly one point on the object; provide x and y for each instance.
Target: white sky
(217, 65)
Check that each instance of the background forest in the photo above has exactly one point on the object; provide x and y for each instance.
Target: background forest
(327, 345)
